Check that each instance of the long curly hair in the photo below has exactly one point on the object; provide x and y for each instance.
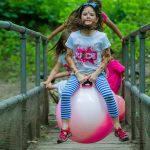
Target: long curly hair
(74, 20)
(60, 47)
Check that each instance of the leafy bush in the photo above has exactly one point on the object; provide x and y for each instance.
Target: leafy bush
(45, 15)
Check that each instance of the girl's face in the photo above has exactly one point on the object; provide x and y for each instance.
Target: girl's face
(88, 16)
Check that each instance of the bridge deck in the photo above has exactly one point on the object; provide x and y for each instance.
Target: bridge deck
(49, 138)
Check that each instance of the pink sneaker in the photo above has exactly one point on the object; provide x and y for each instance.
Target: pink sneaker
(63, 135)
(121, 134)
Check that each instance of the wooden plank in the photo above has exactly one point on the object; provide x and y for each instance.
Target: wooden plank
(48, 142)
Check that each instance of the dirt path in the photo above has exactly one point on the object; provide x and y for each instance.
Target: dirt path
(9, 89)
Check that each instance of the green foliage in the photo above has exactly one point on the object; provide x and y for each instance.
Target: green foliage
(45, 15)
(8, 51)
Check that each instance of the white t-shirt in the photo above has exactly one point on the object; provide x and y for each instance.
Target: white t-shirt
(87, 50)
(62, 60)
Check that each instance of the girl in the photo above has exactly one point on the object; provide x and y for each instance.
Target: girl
(60, 53)
(115, 72)
(105, 19)
(84, 50)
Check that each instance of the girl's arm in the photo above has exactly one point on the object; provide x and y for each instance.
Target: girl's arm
(109, 23)
(105, 58)
(62, 74)
(53, 73)
(71, 64)
(55, 32)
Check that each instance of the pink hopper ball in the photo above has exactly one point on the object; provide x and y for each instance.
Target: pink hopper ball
(121, 107)
(90, 121)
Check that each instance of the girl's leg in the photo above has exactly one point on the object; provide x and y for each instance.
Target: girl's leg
(70, 87)
(104, 88)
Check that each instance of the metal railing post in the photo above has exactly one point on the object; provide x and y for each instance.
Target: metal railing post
(45, 59)
(126, 48)
(142, 36)
(37, 61)
(133, 109)
(23, 87)
(142, 62)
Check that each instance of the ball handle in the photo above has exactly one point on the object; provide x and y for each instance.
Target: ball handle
(87, 84)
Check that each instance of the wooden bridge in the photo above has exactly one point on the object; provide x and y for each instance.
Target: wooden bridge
(109, 143)
(24, 118)
(49, 135)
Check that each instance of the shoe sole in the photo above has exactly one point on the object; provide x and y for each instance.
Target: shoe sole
(61, 141)
(124, 139)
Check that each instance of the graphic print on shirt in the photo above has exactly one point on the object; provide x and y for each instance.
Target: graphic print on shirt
(85, 55)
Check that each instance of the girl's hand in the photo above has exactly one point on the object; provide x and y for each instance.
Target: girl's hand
(123, 76)
(81, 78)
(47, 84)
(92, 77)
(49, 38)
(122, 40)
